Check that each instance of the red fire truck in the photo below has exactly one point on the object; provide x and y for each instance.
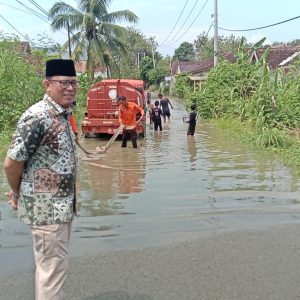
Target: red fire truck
(102, 107)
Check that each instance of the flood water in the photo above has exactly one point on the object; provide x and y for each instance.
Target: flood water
(169, 189)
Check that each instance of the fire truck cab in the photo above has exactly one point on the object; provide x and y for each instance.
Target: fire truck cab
(102, 105)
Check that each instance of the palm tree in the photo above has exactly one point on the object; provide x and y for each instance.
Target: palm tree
(95, 35)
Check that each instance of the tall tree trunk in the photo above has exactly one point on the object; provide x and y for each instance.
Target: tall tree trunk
(90, 69)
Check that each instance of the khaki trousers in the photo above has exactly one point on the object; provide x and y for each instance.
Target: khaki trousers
(50, 246)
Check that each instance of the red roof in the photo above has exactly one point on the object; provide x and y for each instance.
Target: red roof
(195, 67)
(279, 56)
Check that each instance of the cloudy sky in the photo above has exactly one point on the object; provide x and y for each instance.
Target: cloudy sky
(172, 22)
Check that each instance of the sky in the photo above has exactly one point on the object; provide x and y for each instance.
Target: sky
(172, 22)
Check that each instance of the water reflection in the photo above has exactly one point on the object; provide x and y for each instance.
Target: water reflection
(192, 149)
(106, 181)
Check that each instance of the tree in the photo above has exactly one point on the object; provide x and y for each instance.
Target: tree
(185, 52)
(146, 66)
(138, 47)
(95, 35)
(157, 74)
(204, 46)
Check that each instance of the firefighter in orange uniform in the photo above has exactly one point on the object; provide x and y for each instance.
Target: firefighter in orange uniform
(127, 117)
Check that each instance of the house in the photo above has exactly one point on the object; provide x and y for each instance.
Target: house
(197, 70)
(279, 56)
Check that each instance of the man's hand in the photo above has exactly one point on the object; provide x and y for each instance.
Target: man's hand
(13, 199)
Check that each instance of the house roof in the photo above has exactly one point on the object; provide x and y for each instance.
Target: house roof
(24, 48)
(196, 67)
(279, 56)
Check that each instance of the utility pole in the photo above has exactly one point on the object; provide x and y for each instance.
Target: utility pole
(216, 33)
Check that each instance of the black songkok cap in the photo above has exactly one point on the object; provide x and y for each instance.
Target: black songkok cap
(60, 67)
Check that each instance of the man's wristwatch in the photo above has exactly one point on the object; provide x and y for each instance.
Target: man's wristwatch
(15, 195)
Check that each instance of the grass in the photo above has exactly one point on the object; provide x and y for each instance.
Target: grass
(273, 141)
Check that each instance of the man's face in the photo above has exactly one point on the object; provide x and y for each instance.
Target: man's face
(60, 89)
(123, 103)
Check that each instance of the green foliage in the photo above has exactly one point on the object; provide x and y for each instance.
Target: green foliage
(182, 88)
(166, 90)
(145, 67)
(185, 52)
(20, 85)
(272, 137)
(5, 139)
(155, 75)
(85, 85)
(204, 46)
(138, 47)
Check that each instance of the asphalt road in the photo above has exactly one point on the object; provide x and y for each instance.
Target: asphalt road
(241, 264)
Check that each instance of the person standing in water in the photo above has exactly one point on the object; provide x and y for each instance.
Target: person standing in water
(127, 117)
(164, 105)
(156, 116)
(192, 121)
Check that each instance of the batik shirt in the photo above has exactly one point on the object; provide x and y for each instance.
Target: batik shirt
(44, 141)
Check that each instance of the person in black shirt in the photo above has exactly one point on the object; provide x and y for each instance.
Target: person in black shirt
(192, 121)
(156, 114)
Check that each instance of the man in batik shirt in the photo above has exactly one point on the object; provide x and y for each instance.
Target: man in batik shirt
(41, 170)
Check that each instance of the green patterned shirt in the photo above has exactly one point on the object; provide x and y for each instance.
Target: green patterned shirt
(45, 142)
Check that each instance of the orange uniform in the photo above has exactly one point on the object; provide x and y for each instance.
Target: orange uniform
(127, 116)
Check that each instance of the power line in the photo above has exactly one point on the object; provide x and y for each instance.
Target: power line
(175, 23)
(191, 23)
(26, 38)
(13, 27)
(178, 31)
(37, 14)
(262, 27)
(4, 4)
(22, 35)
(39, 7)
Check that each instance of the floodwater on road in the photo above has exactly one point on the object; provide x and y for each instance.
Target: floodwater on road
(169, 189)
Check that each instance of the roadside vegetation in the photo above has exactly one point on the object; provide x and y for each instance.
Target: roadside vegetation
(260, 107)
(21, 86)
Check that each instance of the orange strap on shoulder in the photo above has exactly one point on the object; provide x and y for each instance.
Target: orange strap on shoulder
(73, 124)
